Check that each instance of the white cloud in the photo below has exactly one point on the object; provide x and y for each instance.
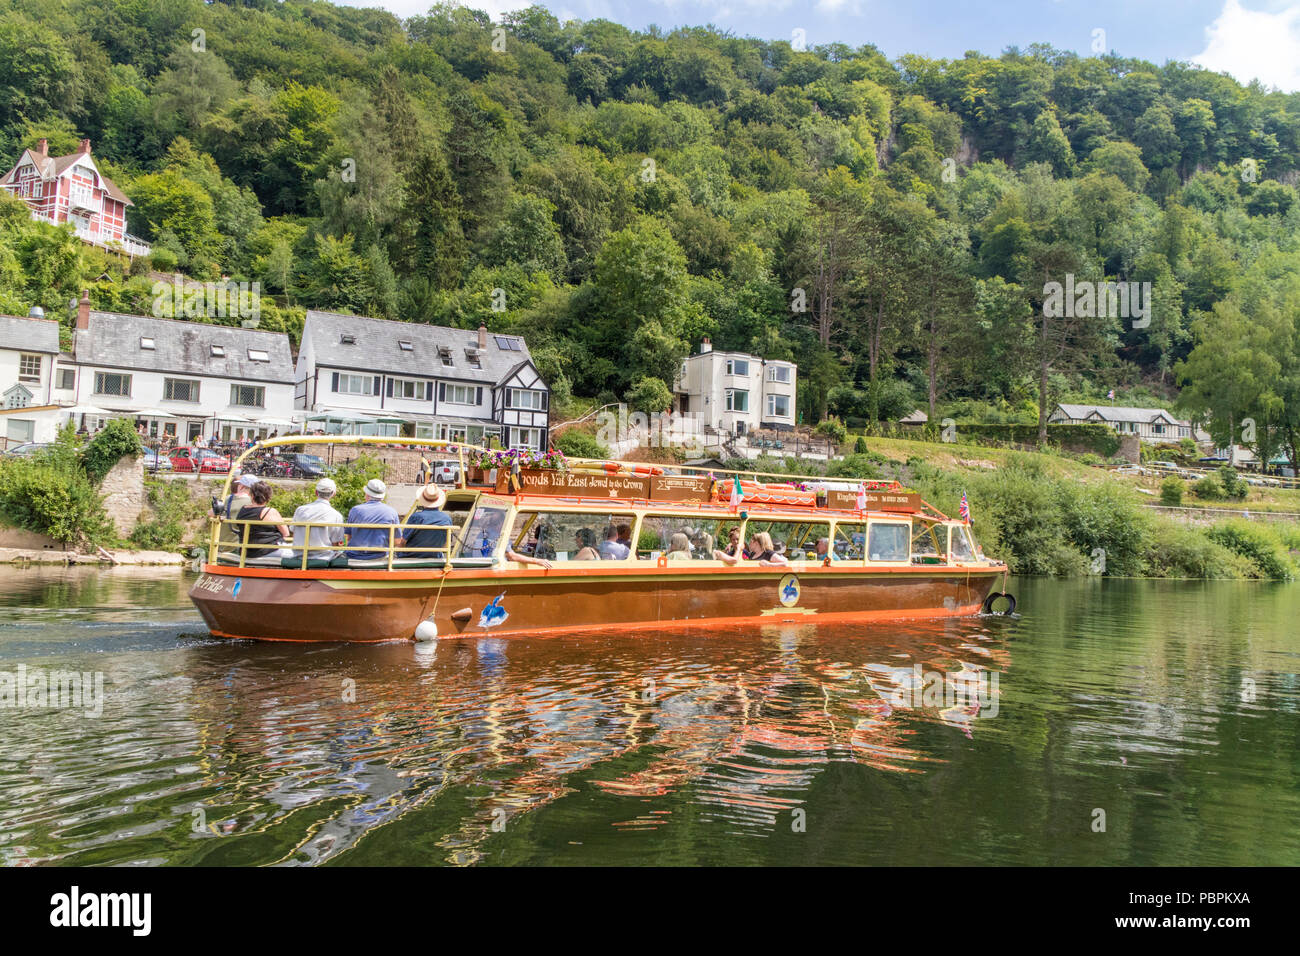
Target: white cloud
(1255, 44)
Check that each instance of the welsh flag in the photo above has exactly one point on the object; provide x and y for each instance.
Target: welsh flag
(737, 493)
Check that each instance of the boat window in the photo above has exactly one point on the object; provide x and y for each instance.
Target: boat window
(960, 544)
(924, 541)
(889, 541)
(850, 541)
(681, 537)
(480, 538)
(569, 536)
(797, 540)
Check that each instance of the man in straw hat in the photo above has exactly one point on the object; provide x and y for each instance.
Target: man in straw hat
(432, 522)
(371, 511)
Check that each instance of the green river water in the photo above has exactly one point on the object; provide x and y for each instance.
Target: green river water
(1167, 711)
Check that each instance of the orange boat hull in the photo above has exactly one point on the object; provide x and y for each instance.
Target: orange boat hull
(371, 606)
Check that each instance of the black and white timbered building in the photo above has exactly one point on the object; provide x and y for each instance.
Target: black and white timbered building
(375, 376)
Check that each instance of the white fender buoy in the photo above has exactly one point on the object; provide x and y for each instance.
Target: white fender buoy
(426, 631)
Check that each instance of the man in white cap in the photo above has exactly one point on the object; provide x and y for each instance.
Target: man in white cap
(238, 498)
(433, 521)
(319, 540)
(371, 511)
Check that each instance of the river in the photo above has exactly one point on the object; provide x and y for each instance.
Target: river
(1113, 722)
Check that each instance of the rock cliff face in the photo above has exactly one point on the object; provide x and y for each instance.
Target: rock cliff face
(123, 492)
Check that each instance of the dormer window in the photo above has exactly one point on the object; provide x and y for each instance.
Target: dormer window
(347, 339)
(258, 355)
(472, 358)
(445, 354)
(218, 351)
(405, 346)
(146, 343)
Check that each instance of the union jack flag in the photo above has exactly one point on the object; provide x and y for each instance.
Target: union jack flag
(964, 511)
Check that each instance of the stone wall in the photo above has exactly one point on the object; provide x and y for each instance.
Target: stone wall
(1130, 448)
(123, 493)
(403, 463)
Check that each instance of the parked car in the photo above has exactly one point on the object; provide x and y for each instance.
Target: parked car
(202, 460)
(153, 461)
(446, 472)
(305, 466)
(27, 448)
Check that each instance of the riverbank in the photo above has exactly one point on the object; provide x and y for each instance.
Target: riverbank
(109, 557)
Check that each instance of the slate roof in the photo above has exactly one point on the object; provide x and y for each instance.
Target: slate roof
(29, 335)
(1118, 413)
(113, 341)
(376, 348)
(51, 167)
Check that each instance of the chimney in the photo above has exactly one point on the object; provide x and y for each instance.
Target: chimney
(83, 310)
(482, 337)
(706, 346)
(85, 147)
(43, 147)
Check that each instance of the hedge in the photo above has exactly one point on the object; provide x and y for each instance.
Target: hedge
(1097, 438)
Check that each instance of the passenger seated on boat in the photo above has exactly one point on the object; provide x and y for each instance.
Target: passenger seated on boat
(625, 536)
(733, 549)
(586, 540)
(824, 550)
(319, 540)
(680, 549)
(236, 501)
(702, 543)
(432, 524)
(611, 549)
(371, 511)
(760, 550)
(267, 534)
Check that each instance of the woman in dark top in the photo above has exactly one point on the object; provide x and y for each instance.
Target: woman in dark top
(260, 510)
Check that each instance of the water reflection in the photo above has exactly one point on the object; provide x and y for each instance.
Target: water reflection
(677, 748)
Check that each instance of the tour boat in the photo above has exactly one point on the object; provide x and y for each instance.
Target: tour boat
(884, 555)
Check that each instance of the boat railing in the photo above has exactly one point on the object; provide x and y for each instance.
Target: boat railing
(301, 553)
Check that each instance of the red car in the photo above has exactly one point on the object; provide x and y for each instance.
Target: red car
(202, 460)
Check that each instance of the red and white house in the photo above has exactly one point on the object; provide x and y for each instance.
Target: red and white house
(71, 189)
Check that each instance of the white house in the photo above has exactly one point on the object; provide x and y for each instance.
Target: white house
(189, 380)
(376, 376)
(28, 349)
(736, 392)
(1149, 424)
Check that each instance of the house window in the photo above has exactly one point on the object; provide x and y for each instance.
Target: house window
(67, 378)
(111, 383)
(347, 339)
(523, 398)
(218, 351)
(530, 438)
(181, 389)
(460, 394)
(447, 360)
(248, 396)
(472, 358)
(258, 355)
(146, 343)
(406, 346)
(1158, 429)
(737, 401)
(778, 373)
(409, 388)
(354, 384)
(737, 367)
(29, 368)
(507, 344)
(778, 406)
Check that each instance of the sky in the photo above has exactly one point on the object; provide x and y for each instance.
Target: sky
(1249, 39)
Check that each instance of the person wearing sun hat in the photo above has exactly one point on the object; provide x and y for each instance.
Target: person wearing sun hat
(427, 524)
(371, 511)
(240, 497)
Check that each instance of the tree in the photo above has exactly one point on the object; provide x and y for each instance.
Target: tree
(427, 241)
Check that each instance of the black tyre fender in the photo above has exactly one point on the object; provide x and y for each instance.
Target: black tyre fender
(993, 598)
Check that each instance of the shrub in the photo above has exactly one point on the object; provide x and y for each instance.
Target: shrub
(853, 466)
(42, 495)
(1171, 491)
(860, 446)
(1174, 550)
(1208, 488)
(578, 444)
(114, 441)
(1233, 486)
(172, 508)
(649, 394)
(1258, 544)
(834, 429)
